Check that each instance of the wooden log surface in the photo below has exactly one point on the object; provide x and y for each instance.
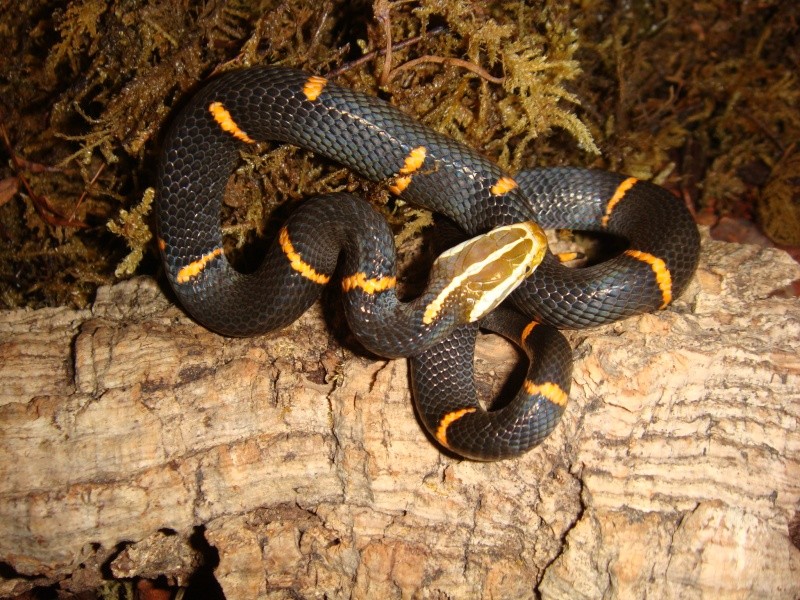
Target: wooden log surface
(127, 432)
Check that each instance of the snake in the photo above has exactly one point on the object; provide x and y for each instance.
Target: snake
(504, 278)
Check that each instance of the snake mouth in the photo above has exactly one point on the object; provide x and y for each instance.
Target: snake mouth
(480, 273)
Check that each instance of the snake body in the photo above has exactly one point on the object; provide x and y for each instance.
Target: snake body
(428, 169)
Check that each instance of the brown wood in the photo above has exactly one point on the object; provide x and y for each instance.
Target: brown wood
(675, 472)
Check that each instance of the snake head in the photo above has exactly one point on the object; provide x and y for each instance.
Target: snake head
(474, 277)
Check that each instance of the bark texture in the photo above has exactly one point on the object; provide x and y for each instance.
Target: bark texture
(130, 436)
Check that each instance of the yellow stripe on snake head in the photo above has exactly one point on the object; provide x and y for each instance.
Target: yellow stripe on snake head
(481, 272)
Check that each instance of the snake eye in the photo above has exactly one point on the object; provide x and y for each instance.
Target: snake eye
(477, 275)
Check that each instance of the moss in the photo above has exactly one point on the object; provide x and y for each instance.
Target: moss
(701, 96)
(133, 227)
(779, 203)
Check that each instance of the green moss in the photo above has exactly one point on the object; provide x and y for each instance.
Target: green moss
(701, 96)
(134, 229)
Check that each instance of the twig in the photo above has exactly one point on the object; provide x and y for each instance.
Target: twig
(100, 169)
(373, 53)
(46, 211)
(449, 61)
(384, 18)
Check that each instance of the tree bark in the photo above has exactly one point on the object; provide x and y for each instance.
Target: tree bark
(128, 432)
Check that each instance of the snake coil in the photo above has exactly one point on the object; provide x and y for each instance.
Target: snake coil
(428, 169)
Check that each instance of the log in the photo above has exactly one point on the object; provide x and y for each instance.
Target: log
(131, 437)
